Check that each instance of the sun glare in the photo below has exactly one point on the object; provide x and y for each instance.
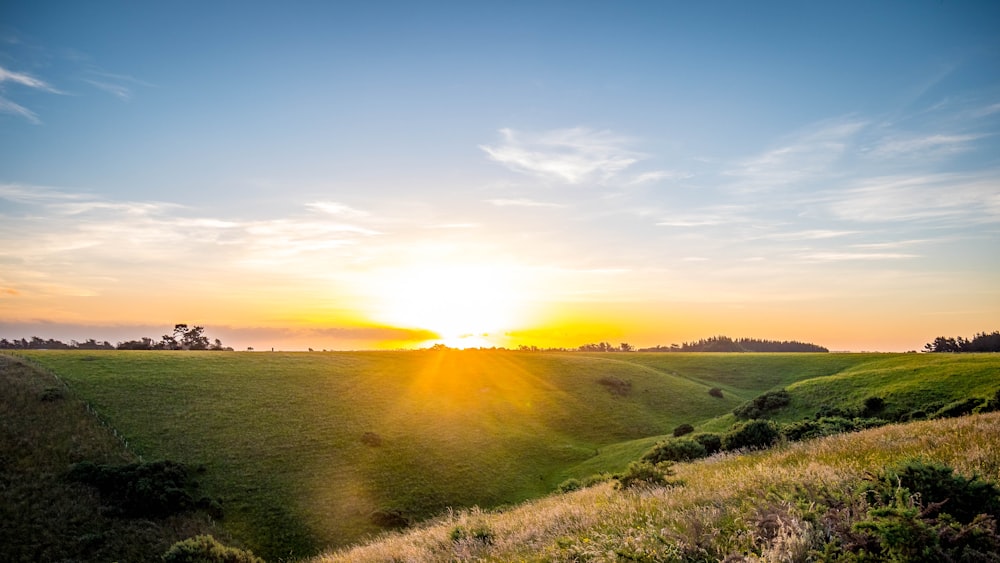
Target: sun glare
(467, 306)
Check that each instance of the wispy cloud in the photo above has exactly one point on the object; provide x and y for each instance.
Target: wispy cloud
(116, 90)
(854, 256)
(922, 146)
(808, 156)
(11, 107)
(118, 85)
(25, 79)
(8, 106)
(812, 234)
(656, 176)
(572, 156)
(522, 202)
(934, 197)
(335, 208)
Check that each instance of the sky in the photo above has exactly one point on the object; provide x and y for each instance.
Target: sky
(362, 175)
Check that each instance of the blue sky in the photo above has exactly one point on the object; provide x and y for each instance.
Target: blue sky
(652, 171)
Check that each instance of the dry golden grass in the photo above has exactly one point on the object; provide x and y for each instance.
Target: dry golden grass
(767, 506)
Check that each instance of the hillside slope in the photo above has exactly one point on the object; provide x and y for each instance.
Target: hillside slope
(43, 515)
(773, 505)
(313, 450)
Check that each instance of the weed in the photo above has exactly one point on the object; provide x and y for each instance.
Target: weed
(206, 549)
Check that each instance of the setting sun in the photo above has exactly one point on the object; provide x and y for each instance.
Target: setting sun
(467, 306)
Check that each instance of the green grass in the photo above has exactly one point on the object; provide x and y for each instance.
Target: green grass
(776, 505)
(907, 383)
(303, 448)
(43, 515)
(283, 435)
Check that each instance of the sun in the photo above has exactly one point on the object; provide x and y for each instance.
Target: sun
(465, 305)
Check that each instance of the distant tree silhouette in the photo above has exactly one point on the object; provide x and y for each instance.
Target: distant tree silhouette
(981, 342)
(726, 344)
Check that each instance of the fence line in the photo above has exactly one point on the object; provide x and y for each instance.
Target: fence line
(89, 407)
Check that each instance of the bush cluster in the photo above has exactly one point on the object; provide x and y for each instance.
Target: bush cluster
(144, 490)
(827, 426)
(922, 511)
(752, 435)
(683, 429)
(206, 549)
(645, 474)
(763, 405)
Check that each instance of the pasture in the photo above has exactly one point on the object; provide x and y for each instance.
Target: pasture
(315, 450)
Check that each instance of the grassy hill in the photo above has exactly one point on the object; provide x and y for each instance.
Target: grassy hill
(311, 450)
(777, 505)
(44, 516)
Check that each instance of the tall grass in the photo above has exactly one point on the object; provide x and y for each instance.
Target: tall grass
(768, 505)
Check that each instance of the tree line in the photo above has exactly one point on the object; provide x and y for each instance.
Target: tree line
(183, 337)
(981, 342)
(726, 344)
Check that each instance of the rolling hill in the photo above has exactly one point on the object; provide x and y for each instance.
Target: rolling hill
(313, 450)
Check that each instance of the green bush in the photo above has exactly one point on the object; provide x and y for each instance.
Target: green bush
(711, 441)
(827, 426)
(872, 406)
(479, 532)
(763, 405)
(206, 549)
(645, 474)
(715, 392)
(676, 449)
(683, 429)
(962, 498)
(143, 490)
(960, 407)
(597, 479)
(753, 434)
(826, 411)
(569, 485)
(923, 512)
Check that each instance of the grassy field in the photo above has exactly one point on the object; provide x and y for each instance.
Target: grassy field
(776, 505)
(311, 450)
(44, 516)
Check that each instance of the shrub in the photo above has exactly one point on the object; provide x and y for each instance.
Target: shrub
(479, 533)
(761, 406)
(645, 474)
(802, 430)
(711, 441)
(597, 479)
(828, 411)
(677, 449)
(52, 394)
(683, 429)
(616, 385)
(753, 434)
(923, 512)
(569, 485)
(962, 498)
(872, 406)
(827, 426)
(715, 392)
(960, 407)
(371, 439)
(206, 549)
(389, 518)
(145, 490)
